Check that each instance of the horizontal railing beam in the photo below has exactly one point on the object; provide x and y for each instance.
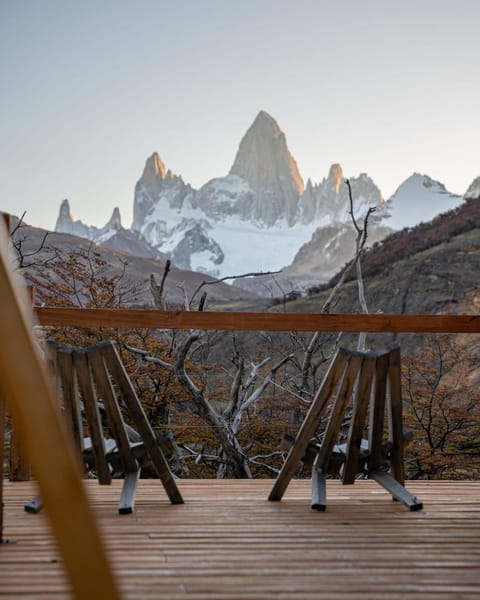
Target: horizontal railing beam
(179, 319)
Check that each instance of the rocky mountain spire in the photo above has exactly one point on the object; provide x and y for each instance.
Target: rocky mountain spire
(335, 177)
(264, 161)
(154, 175)
(64, 214)
(156, 183)
(154, 170)
(115, 221)
(66, 223)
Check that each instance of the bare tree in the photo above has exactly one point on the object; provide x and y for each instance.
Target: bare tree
(246, 390)
(26, 258)
(360, 242)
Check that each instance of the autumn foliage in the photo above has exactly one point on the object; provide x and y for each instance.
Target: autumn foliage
(441, 406)
(441, 413)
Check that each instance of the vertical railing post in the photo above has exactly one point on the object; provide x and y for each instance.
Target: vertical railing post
(20, 469)
(3, 420)
(2, 456)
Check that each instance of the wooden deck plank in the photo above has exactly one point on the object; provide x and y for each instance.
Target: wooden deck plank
(228, 541)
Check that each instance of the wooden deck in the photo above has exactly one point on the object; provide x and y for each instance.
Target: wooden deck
(229, 542)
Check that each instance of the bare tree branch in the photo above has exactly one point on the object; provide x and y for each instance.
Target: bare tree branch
(214, 282)
(157, 290)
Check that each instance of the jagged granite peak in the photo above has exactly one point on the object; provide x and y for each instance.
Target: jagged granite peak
(473, 191)
(112, 235)
(115, 221)
(329, 202)
(157, 187)
(65, 213)
(264, 161)
(67, 224)
(335, 177)
(419, 199)
(154, 167)
(308, 203)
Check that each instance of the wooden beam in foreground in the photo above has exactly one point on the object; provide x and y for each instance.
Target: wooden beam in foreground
(32, 403)
(379, 323)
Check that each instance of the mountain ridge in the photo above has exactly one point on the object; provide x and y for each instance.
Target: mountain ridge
(260, 215)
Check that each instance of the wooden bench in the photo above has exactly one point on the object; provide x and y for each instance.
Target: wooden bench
(368, 385)
(97, 393)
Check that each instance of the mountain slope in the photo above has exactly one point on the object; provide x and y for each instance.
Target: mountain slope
(430, 269)
(132, 270)
(419, 198)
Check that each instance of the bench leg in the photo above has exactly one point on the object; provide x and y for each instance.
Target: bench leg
(129, 489)
(34, 505)
(396, 489)
(319, 490)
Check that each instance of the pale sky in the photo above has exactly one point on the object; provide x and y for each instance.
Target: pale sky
(89, 89)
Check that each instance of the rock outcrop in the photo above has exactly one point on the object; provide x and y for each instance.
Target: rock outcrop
(67, 224)
(157, 188)
(264, 161)
(113, 235)
(473, 189)
(328, 201)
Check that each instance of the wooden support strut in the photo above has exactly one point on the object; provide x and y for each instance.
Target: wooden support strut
(114, 364)
(32, 403)
(3, 424)
(130, 466)
(360, 407)
(19, 465)
(3, 411)
(309, 425)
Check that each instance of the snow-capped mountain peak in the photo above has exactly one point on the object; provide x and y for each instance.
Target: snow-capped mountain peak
(419, 198)
(258, 216)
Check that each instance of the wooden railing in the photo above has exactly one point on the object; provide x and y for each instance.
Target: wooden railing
(379, 323)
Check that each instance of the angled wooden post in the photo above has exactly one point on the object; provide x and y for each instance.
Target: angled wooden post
(396, 416)
(3, 411)
(32, 403)
(310, 424)
(85, 384)
(115, 366)
(337, 414)
(360, 407)
(19, 469)
(3, 424)
(377, 413)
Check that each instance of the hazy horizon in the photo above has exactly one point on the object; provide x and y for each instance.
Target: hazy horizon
(92, 89)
